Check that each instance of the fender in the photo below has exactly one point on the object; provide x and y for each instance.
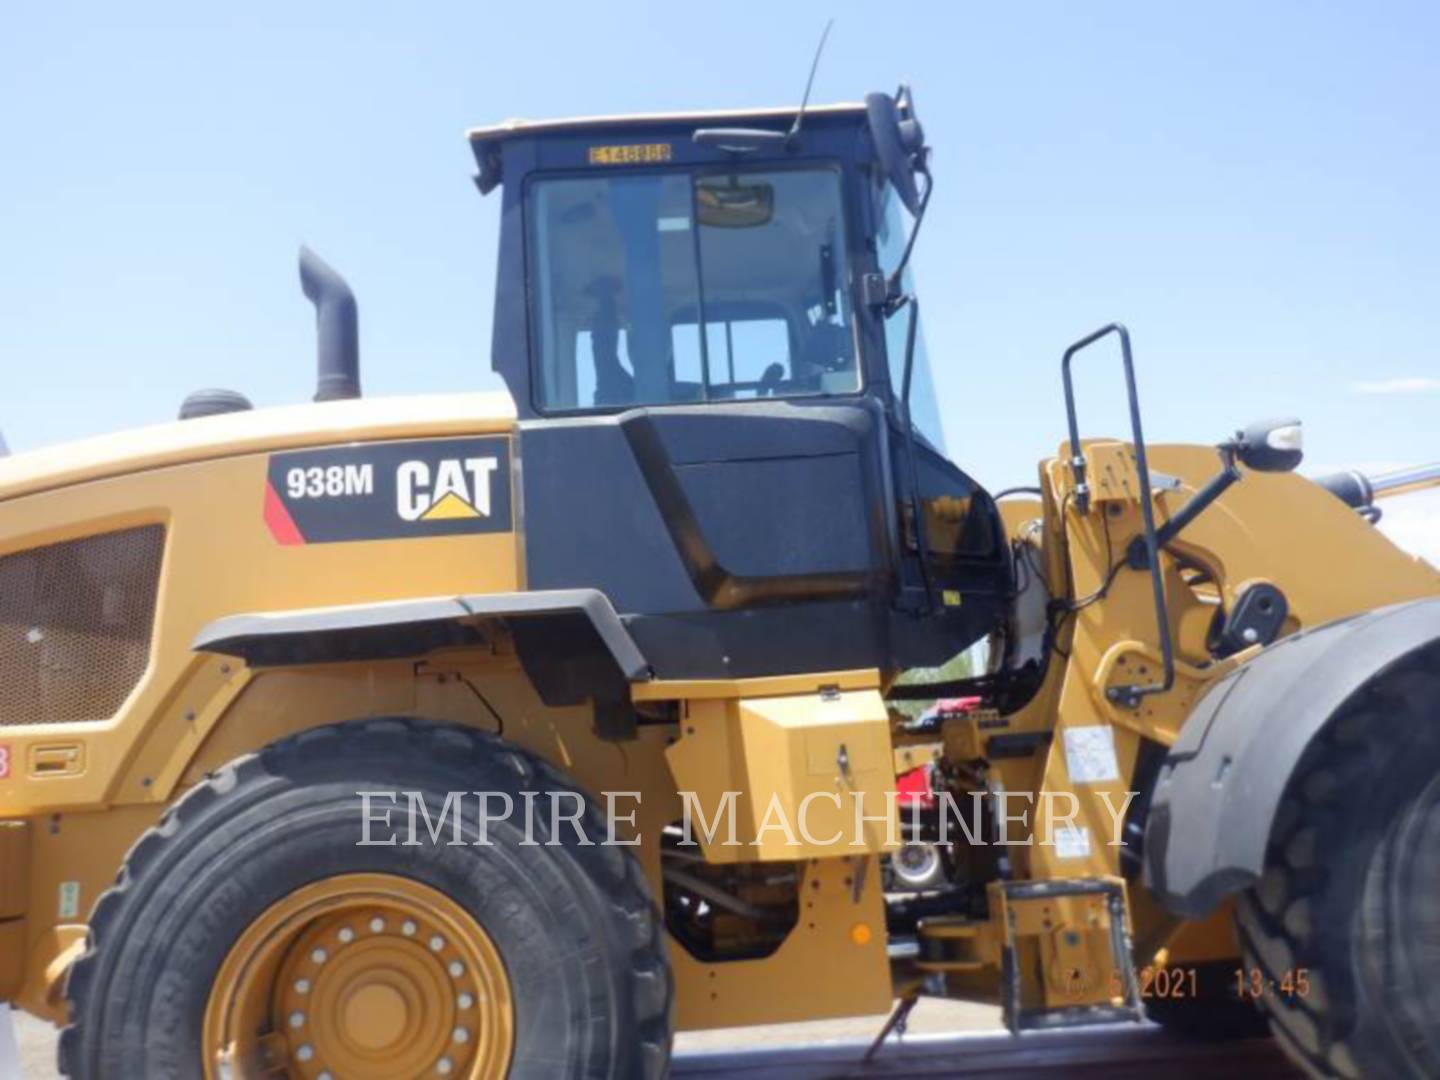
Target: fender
(571, 642)
(1222, 782)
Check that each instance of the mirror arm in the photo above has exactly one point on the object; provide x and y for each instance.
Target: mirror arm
(916, 506)
(1198, 504)
(894, 298)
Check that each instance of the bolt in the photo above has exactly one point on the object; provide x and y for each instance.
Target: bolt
(305, 1053)
(377, 925)
(443, 1066)
(437, 943)
(407, 928)
(456, 969)
(461, 1035)
(302, 986)
(319, 956)
(346, 935)
(465, 1001)
(297, 1019)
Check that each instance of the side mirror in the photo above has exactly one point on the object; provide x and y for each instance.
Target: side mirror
(899, 142)
(1270, 445)
(1267, 446)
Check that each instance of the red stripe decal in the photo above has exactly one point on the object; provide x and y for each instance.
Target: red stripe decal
(277, 517)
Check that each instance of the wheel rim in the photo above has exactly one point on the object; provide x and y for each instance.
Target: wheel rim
(361, 976)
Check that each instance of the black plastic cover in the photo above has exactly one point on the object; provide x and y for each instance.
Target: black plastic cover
(1223, 781)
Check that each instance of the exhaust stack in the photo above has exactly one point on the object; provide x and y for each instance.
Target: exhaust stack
(336, 328)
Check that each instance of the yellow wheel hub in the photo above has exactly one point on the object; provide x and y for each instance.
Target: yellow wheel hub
(361, 977)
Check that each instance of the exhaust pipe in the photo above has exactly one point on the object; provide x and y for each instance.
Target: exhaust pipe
(336, 328)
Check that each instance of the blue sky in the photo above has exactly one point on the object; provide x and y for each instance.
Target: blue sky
(1251, 187)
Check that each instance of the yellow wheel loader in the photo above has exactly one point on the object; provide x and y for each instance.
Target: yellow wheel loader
(509, 733)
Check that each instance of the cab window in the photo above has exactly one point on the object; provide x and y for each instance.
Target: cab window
(677, 287)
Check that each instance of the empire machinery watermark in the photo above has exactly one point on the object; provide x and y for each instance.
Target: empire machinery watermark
(821, 819)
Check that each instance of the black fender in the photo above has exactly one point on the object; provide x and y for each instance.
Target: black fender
(571, 642)
(1223, 780)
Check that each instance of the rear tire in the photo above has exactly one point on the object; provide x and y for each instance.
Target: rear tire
(584, 961)
(1351, 890)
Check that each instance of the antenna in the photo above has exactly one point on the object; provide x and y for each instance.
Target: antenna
(794, 131)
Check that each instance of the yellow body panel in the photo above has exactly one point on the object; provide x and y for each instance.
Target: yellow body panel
(805, 774)
(263, 430)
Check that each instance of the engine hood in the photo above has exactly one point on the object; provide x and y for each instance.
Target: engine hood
(249, 432)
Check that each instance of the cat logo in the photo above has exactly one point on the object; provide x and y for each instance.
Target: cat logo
(460, 489)
(390, 490)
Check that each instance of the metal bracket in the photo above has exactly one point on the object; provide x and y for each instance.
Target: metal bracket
(1018, 1018)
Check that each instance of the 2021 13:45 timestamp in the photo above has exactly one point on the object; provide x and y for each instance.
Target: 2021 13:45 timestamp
(1254, 983)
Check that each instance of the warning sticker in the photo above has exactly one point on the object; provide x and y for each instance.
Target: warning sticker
(4, 761)
(1072, 842)
(1090, 754)
(69, 903)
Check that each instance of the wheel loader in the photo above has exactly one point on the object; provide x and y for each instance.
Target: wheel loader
(509, 733)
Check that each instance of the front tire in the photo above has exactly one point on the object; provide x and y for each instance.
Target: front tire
(250, 926)
(1350, 896)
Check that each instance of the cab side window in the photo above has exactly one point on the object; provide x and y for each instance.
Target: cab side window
(655, 288)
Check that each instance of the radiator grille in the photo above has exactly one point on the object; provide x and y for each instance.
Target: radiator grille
(75, 622)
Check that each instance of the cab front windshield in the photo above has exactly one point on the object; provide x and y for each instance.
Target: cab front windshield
(677, 287)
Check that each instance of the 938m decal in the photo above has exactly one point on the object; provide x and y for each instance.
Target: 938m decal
(388, 491)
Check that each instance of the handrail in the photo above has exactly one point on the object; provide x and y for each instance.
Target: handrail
(1129, 695)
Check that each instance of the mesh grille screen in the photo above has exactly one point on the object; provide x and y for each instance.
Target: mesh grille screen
(75, 621)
